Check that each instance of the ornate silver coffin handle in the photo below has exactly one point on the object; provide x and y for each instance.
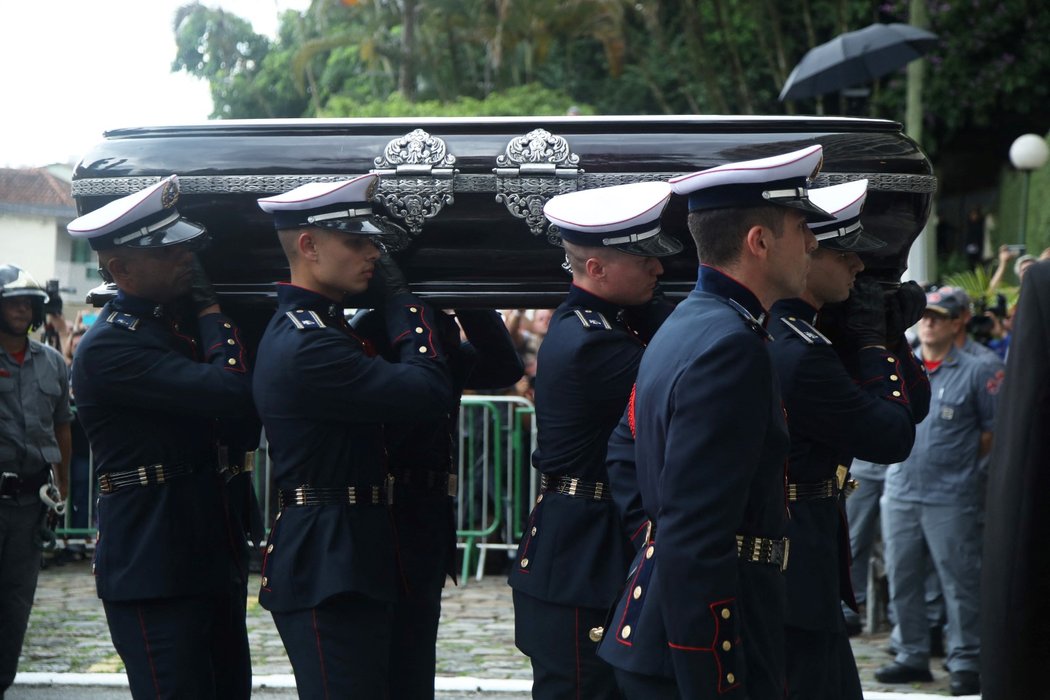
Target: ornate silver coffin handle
(532, 169)
(416, 177)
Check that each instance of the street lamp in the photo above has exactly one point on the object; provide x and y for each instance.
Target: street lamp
(1027, 153)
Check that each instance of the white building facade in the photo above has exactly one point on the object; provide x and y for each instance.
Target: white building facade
(35, 206)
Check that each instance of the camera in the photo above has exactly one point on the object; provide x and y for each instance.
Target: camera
(980, 325)
(54, 298)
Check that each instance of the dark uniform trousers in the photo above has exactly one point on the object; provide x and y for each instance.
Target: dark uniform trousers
(192, 647)
(20, 546)
(861, 403)
(423, 525)
(565, 665)
(837, 670)
(332, 658)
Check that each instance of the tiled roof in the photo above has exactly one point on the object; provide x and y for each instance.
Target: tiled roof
(35, 190)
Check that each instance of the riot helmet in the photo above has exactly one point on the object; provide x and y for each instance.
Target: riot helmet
(16, 282)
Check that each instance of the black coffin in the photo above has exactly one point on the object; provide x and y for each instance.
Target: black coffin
(470, 192)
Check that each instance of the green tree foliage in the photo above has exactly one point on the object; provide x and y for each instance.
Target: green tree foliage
(989, 69)
(976, 284)
(526, 99)
(249, 76)
(343, 57)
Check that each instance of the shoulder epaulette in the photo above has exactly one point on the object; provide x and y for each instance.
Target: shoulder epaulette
(592, 319)
(123, 320)
(305, 319)
(752, 322)
(805, 330)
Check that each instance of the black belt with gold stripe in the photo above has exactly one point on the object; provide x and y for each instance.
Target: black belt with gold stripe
(577, 488)
(757, 550)
(812, 491)
(762, 550)
(147, 475)
(829, 488)
(377, 495)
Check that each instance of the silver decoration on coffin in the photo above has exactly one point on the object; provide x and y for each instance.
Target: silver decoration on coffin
(416, 178)
(462, 182)
(532, 169)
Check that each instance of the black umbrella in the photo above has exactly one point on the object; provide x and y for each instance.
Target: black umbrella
(855, 58)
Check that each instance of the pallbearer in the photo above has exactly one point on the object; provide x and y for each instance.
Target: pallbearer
(573, 555)
(330, 576)
(155, 377)
(859, 399)
(702, 614)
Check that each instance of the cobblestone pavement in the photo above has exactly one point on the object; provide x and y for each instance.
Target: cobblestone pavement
(68, 634)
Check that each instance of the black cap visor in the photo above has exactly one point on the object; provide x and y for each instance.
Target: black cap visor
(847, 241)
(659, 246)
(385, 234)
(811, 211)
(942, 311)
(178, 231)
(361, 225)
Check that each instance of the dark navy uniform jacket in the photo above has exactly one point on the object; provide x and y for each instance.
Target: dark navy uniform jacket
(486, 360)
(323, 397)
(711, 445)
(149, 389)
(834, 417)
(574, 550)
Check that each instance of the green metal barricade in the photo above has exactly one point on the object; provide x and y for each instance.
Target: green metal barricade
(496, 439)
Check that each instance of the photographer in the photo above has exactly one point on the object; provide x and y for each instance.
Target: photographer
(962, 305)
(56, 331)
(989, 327)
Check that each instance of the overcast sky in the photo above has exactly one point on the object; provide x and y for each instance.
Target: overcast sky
(72, 69)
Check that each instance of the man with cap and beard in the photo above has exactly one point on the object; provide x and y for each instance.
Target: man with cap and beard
(574, 552)
(863, 402)
(330, 577)
(702, 614)
(35, 439)
(153, 378)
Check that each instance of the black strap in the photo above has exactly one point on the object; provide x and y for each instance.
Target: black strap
(12, 485)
